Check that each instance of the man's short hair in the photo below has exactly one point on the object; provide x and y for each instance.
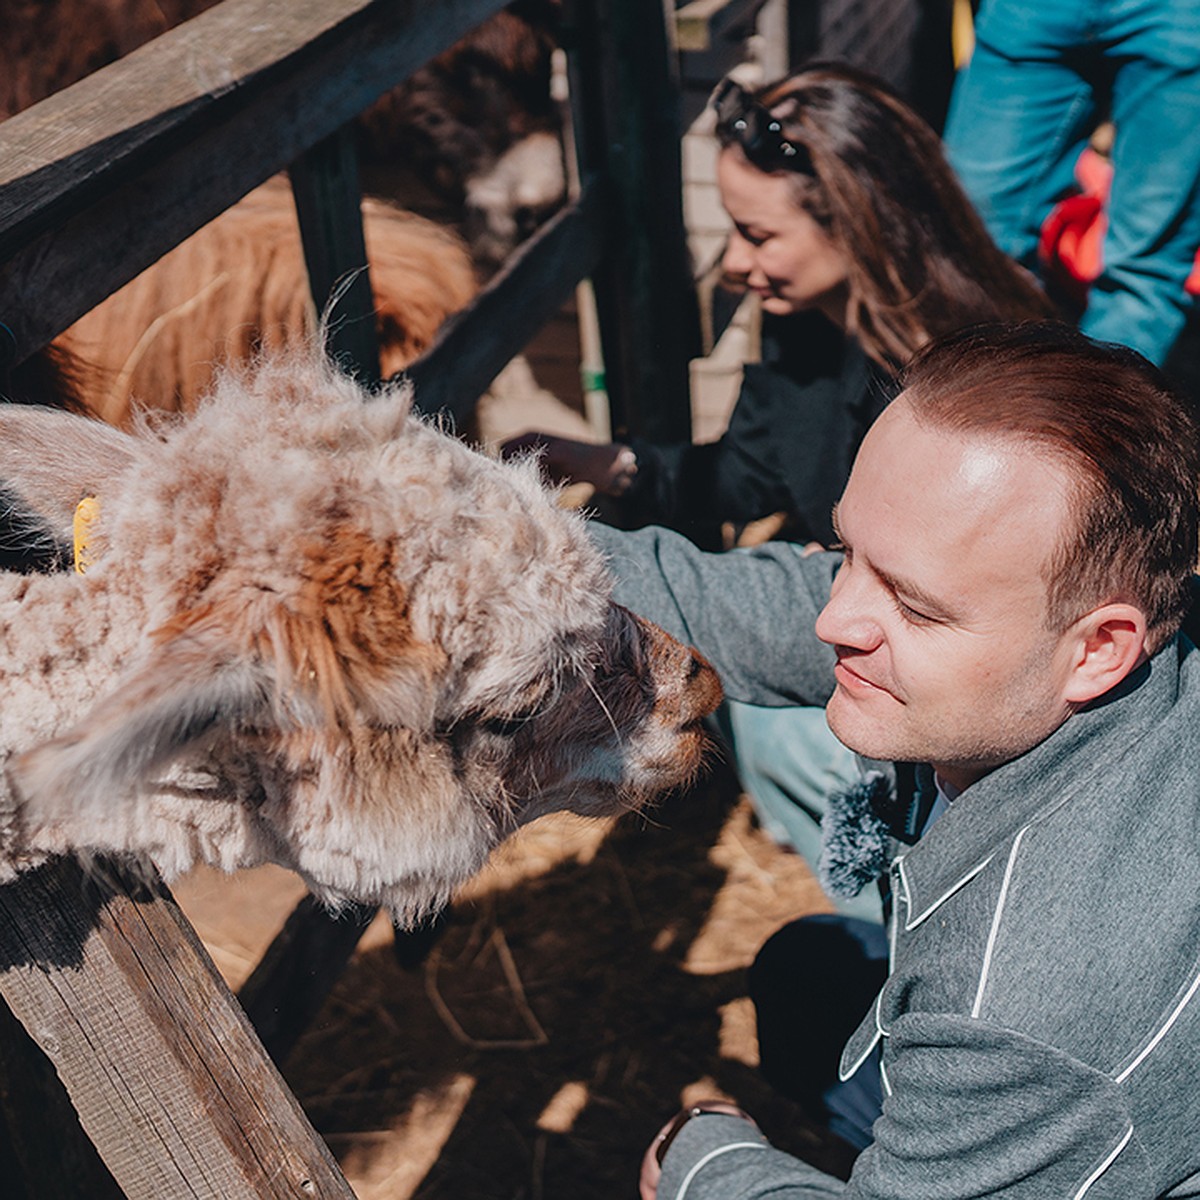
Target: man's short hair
(1129, 438)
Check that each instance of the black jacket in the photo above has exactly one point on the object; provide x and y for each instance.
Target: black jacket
(789, 446)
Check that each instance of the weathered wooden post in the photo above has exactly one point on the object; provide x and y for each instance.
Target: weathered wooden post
(625, 96)
(160, 1063)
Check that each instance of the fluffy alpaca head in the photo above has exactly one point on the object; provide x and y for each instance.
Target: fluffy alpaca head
(387, 648)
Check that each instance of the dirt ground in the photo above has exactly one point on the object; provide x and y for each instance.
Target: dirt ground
(587, 984)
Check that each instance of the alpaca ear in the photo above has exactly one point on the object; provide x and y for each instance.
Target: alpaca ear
(50, 460)
(166, 707)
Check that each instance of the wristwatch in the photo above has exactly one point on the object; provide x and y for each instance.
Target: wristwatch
(669, 1134)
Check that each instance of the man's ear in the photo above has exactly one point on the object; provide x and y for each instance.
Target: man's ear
(1108, 643)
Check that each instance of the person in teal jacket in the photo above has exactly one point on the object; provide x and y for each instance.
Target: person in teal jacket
(1019, 538)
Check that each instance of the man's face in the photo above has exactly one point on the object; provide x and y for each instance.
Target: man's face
(938, 614)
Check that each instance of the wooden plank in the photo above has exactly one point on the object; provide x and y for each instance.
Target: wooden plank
(329, 208)
(162, 1066)
(625, 98)
(474, 345)
(120, 167)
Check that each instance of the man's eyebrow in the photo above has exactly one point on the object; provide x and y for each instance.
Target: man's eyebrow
(927, 603)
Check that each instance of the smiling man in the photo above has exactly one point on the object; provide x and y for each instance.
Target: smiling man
(1020, 531)
(947, 648)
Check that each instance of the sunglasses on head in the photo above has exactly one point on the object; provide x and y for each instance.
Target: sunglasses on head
(741, 120)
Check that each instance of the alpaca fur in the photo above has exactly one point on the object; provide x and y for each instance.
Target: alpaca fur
(317, 632)
(239, 286)
(46, 45)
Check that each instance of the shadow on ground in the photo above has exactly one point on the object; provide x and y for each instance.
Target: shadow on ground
(572, 1002)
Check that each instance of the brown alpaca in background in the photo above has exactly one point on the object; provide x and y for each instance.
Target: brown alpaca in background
(239, 286)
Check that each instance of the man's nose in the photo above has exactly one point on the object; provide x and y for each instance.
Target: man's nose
(848, 618)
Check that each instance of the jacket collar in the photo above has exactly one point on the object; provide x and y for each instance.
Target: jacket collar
(1085, 749)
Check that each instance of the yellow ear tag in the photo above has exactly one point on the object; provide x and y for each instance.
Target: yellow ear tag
(86, 512)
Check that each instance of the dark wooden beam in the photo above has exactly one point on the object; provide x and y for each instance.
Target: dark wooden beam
(100, 180)
(294, 977)
(169, 1081)
(328, 199)
(625, 99)
(474, 345)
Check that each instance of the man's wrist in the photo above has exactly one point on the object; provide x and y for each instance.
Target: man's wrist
(716, 1109)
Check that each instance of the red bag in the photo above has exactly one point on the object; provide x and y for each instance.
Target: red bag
(1069, 249)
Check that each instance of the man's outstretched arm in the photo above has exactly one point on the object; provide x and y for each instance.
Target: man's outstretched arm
(971, 1109)
(749, 612)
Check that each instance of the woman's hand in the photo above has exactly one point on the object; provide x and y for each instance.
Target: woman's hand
(608, 466)
(652, 1160)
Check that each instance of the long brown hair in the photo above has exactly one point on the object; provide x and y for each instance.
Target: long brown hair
(872, 173)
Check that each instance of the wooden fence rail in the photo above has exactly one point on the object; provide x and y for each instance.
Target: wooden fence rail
(167, 1077)
(116, 170)
(119, 168)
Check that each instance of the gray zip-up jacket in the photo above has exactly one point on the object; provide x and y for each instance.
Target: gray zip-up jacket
(1040, 1025)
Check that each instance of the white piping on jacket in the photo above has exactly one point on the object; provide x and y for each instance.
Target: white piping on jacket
(1108, 1162)
(893, 938)
(687, 1179)
(1162, 1033)
(995, 929)
(912, 922)
(880, 1032)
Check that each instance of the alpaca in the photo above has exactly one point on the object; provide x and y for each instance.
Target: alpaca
(315, 630)
(480, 125)
(239, 286)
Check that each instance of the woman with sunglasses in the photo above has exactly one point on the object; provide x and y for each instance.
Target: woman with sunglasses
(852, 229)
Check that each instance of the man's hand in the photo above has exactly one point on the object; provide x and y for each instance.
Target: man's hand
(652, 1159)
